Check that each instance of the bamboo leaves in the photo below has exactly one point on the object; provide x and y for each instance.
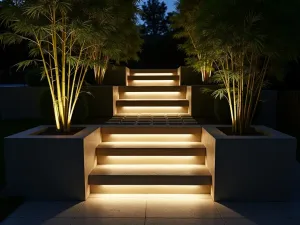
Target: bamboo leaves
(238, 39)
(60, 41)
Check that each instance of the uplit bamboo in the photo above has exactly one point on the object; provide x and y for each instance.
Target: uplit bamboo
(58, 41)
(241, 89)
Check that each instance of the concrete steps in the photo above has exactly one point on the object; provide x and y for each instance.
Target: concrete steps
(152, 92)
(150, 160)
(153, 103)
(150, 175)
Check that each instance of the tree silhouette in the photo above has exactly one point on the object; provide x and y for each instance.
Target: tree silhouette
(154, 17)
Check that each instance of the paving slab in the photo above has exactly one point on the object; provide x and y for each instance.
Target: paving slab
(163, 221)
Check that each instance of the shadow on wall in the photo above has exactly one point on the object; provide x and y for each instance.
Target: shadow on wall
(217, 111)
(190, 77)
(288, 111)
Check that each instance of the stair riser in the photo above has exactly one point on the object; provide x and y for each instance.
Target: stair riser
(152, 95)
(159, 110)
(163, 134)
(151, 130)
(148, 180)
(153, 83)
(153, 77)
(150, 189)
(152, 103)
(150, 138)
(153, 71)
(171, 160)
(201, 152)
(152, 89)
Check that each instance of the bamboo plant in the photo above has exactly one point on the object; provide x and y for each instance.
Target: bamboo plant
(240, 39)
(58, 43)
(116, 46)
(198, 54)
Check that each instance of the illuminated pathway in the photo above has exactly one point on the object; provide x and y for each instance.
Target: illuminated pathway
(151, 168)
(150, 146)
(152, 93)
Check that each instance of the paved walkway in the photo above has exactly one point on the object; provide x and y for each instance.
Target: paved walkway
(159, 210)
(129, 210)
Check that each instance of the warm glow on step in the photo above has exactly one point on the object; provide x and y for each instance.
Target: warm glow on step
(146, 167)
(174, 93)
(154, 74)
(152, 95)
(151, 160)
(150, 137)
(154, 82)
(153, 144)
(150, 144)
(164, 199)
(154, 190)
(153, 109)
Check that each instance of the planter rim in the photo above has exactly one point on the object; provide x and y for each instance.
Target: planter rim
(29, 134)
(269, 133)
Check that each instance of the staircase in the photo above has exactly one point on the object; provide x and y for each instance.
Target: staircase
(152, 92)
(150, 160)
(161, 152)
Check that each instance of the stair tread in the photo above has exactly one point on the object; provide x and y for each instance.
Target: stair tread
(152, 100)
(152, 89)
(152, 103)
(166, 145)
(150, 170)
(153, 77)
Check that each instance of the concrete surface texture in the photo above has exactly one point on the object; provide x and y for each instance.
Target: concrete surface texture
(251, 168)
(50, 167)
(149, 210)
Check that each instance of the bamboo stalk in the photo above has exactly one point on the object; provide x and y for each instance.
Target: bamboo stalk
(50, 82)
(58, 86)
(63, 64)
(74, 80)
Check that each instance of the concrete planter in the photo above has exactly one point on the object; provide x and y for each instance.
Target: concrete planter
(250, 168)
(50, 167)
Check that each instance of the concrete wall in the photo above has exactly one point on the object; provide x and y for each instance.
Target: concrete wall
(24, 102)
(203, 106)
(100, 101)
(20, 102)
(251, 168)
(115, 76)
(50, 167)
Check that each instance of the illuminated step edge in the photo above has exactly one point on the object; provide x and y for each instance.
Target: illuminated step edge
(151, 189)
(150, 149)
(158, 138)
(152, 95)
(158, 198)
(153, 103)
(153, 74)
(171, 160)
(150, 132)
(152, 89)
(170, 110)
(153, 83)
(150, 175)
(152, 77)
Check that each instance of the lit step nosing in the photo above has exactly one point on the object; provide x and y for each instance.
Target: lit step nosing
(146, 103)
(152, 78)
